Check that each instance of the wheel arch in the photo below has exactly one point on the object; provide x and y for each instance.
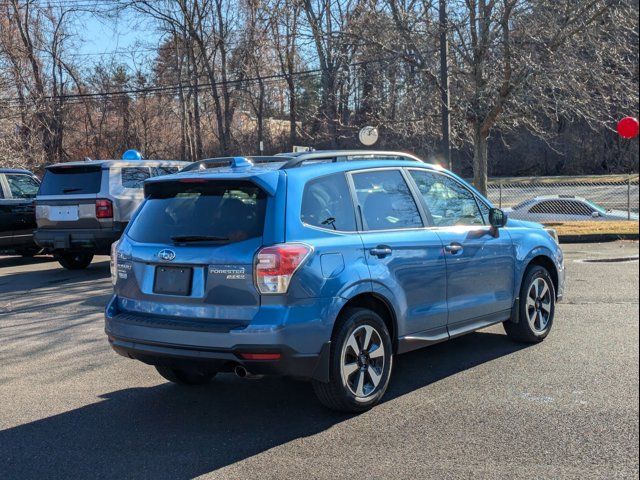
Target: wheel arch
(547, 262)
(377, 303)
(537, 258)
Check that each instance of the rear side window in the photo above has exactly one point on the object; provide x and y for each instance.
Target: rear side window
(326, 203)
(162, 171)
(74, 180)
(134, 177)
(22, 186)
(386, 201)
(211, 212)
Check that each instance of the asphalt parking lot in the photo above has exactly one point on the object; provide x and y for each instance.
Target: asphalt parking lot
(475, 407)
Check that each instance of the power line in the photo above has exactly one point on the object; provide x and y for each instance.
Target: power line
(166, 88)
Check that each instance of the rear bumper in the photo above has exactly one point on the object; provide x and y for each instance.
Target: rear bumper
(303, 350)
(97, 240)
(290, 363)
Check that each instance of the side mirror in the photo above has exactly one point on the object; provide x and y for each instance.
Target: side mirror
(595, 214)
(497, 218)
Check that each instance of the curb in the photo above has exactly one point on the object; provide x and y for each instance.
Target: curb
(598, 237)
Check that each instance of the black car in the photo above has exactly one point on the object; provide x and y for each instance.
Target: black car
(18, 189)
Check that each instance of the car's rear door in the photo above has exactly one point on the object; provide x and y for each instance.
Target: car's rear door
(22, 193)
(6, 216)
(480, 265)
(126, 186)
(405, 259)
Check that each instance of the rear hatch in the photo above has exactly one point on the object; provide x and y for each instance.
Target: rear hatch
(67, 198)
(188, 253)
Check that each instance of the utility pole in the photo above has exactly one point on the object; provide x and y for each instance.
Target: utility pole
(444, 85)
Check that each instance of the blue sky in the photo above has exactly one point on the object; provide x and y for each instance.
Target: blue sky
(128, 40)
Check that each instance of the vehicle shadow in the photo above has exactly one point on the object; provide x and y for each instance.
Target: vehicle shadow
(43, 278)
(168, 431)
(17, 261)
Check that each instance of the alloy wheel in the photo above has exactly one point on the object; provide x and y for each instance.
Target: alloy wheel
(363, 361)
(539, 305)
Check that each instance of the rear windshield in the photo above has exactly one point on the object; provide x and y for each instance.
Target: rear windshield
(76, 180)
(210, 212)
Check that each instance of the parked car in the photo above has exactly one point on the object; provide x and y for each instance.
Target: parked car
(321, 266)
(565, 208)
(83, 207)
(18, 190)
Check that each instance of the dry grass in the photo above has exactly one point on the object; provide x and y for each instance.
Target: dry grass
(595, 228)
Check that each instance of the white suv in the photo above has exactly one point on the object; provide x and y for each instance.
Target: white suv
(83, 207)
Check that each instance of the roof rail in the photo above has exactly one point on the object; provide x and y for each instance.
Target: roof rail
(344, 156)
(234, 162)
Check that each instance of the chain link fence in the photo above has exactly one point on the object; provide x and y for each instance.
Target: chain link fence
(567, 199)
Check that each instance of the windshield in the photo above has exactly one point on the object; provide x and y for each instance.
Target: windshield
(523, 204)
(210, 212)
(74, 180)
(596, 207)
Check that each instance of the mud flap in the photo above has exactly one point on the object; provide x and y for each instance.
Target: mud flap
(321, 372)
(515, 311)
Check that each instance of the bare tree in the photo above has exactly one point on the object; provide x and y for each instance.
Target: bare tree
(507, 50)
(285, 24)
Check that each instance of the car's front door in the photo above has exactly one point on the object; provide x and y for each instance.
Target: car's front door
(405, 259)
(480, 265)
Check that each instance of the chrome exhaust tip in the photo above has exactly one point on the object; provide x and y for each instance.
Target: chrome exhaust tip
(242, 372)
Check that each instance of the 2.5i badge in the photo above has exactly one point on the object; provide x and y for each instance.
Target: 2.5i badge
(229, 272)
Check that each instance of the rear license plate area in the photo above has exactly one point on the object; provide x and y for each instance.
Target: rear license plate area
(173, 280)
(64, 214)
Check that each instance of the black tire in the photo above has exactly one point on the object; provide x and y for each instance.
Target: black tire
(185, 377)
(524, 329)
(75, 261)
(338, 393)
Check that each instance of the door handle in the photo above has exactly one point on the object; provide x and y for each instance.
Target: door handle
(453, 248)
(381, 251)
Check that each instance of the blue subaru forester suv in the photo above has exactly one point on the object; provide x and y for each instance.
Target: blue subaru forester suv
(321, 266)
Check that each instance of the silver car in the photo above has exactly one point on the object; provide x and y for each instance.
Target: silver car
(565, 208)
(83, 207)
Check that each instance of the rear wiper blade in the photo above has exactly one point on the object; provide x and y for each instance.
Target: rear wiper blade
(198, 238)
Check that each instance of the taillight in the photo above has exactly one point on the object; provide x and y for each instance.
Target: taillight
(104, 209)
(275, 266)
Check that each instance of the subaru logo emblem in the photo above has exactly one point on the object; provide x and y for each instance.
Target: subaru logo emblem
(166, 255)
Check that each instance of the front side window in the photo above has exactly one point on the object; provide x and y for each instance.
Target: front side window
(326, 203)
(580, 208)
(449, 202)
(386, 201)
(22, 186)
(134, 177)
